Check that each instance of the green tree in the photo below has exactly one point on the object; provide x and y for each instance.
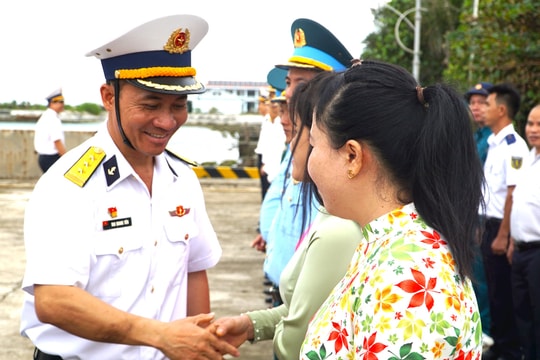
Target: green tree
(502, 45)
(438, 18)
(90, 108)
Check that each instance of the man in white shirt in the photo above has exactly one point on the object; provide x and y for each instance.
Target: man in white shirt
(118, 241)
(271, 143)
(48, 135)
(525, 231)
(502, 169)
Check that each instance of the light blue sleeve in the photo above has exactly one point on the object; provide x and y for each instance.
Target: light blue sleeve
(272, 199)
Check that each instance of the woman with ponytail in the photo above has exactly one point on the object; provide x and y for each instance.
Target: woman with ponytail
(399, 159)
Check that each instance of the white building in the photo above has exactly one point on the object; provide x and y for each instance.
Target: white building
(229, 97)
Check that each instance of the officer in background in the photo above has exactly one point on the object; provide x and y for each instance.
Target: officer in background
(316, 49)
(525, 231)
(49, 141)
(116, 265)
(271, 142)
(502, 170)
(263, 111)
(476, 98)
(272, 200)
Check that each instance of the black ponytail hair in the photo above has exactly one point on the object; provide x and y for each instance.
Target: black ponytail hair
(423, 140)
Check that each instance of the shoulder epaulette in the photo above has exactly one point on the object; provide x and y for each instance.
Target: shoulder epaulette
(510, 139)
(87, 164)
(181, 158)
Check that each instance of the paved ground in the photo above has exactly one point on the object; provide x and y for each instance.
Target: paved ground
(236, 282)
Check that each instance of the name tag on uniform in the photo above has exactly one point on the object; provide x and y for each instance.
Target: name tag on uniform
(116, 223)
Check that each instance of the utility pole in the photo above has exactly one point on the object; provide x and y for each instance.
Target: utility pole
(416, 53)
(416, 27)
(472, 46)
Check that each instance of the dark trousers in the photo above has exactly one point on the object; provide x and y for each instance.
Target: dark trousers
(498, 277)
(46, 161)
(273, 291)
(40, 355)
(480, 289)
(265, 184)
(526, 293)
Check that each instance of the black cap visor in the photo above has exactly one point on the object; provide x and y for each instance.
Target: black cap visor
(170, 85)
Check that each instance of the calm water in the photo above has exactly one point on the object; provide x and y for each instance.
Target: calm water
(197, 143)
(205, 145)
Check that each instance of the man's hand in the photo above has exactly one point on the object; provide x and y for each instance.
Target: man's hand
(78, 312)
(190, 339)
(259, 243)
(510, 251)
(499, 245)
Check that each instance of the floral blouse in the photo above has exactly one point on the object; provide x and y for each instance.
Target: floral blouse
(401, 298)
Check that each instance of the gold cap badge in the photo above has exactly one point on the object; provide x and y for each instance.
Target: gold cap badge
(299, 38)
(178, 42)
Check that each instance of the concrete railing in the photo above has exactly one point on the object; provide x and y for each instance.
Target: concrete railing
(17, 157)
(18, 161)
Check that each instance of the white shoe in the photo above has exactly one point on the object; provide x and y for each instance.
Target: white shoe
(487, 342)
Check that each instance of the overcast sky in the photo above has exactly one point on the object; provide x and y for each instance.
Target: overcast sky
(43, 43)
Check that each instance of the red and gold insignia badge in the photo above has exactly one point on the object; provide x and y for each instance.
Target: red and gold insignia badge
(178, 42)
(179, 211)
(299, 38)
(113, 212)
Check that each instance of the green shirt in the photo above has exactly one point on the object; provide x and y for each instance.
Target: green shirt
(318, 264)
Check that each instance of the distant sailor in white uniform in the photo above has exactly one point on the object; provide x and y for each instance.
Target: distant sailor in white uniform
(49, 141)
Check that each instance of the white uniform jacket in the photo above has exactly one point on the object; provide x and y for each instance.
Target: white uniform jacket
(115, 241)
(504, 161)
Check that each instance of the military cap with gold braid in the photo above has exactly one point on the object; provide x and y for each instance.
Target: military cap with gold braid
(315, 47)
(156, 56)
(56, 95)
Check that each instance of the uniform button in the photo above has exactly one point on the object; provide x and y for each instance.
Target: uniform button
(155, 243)
(120, 250)
(152, 291)
(186, 236)
(290, 199)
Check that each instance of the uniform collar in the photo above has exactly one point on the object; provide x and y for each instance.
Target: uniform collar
(535, 155)
(117, 168)
(498, 138)
(484, 130)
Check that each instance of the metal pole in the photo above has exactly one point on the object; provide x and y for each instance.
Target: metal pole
(416, 53)
(472, 46)
(416, 28)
